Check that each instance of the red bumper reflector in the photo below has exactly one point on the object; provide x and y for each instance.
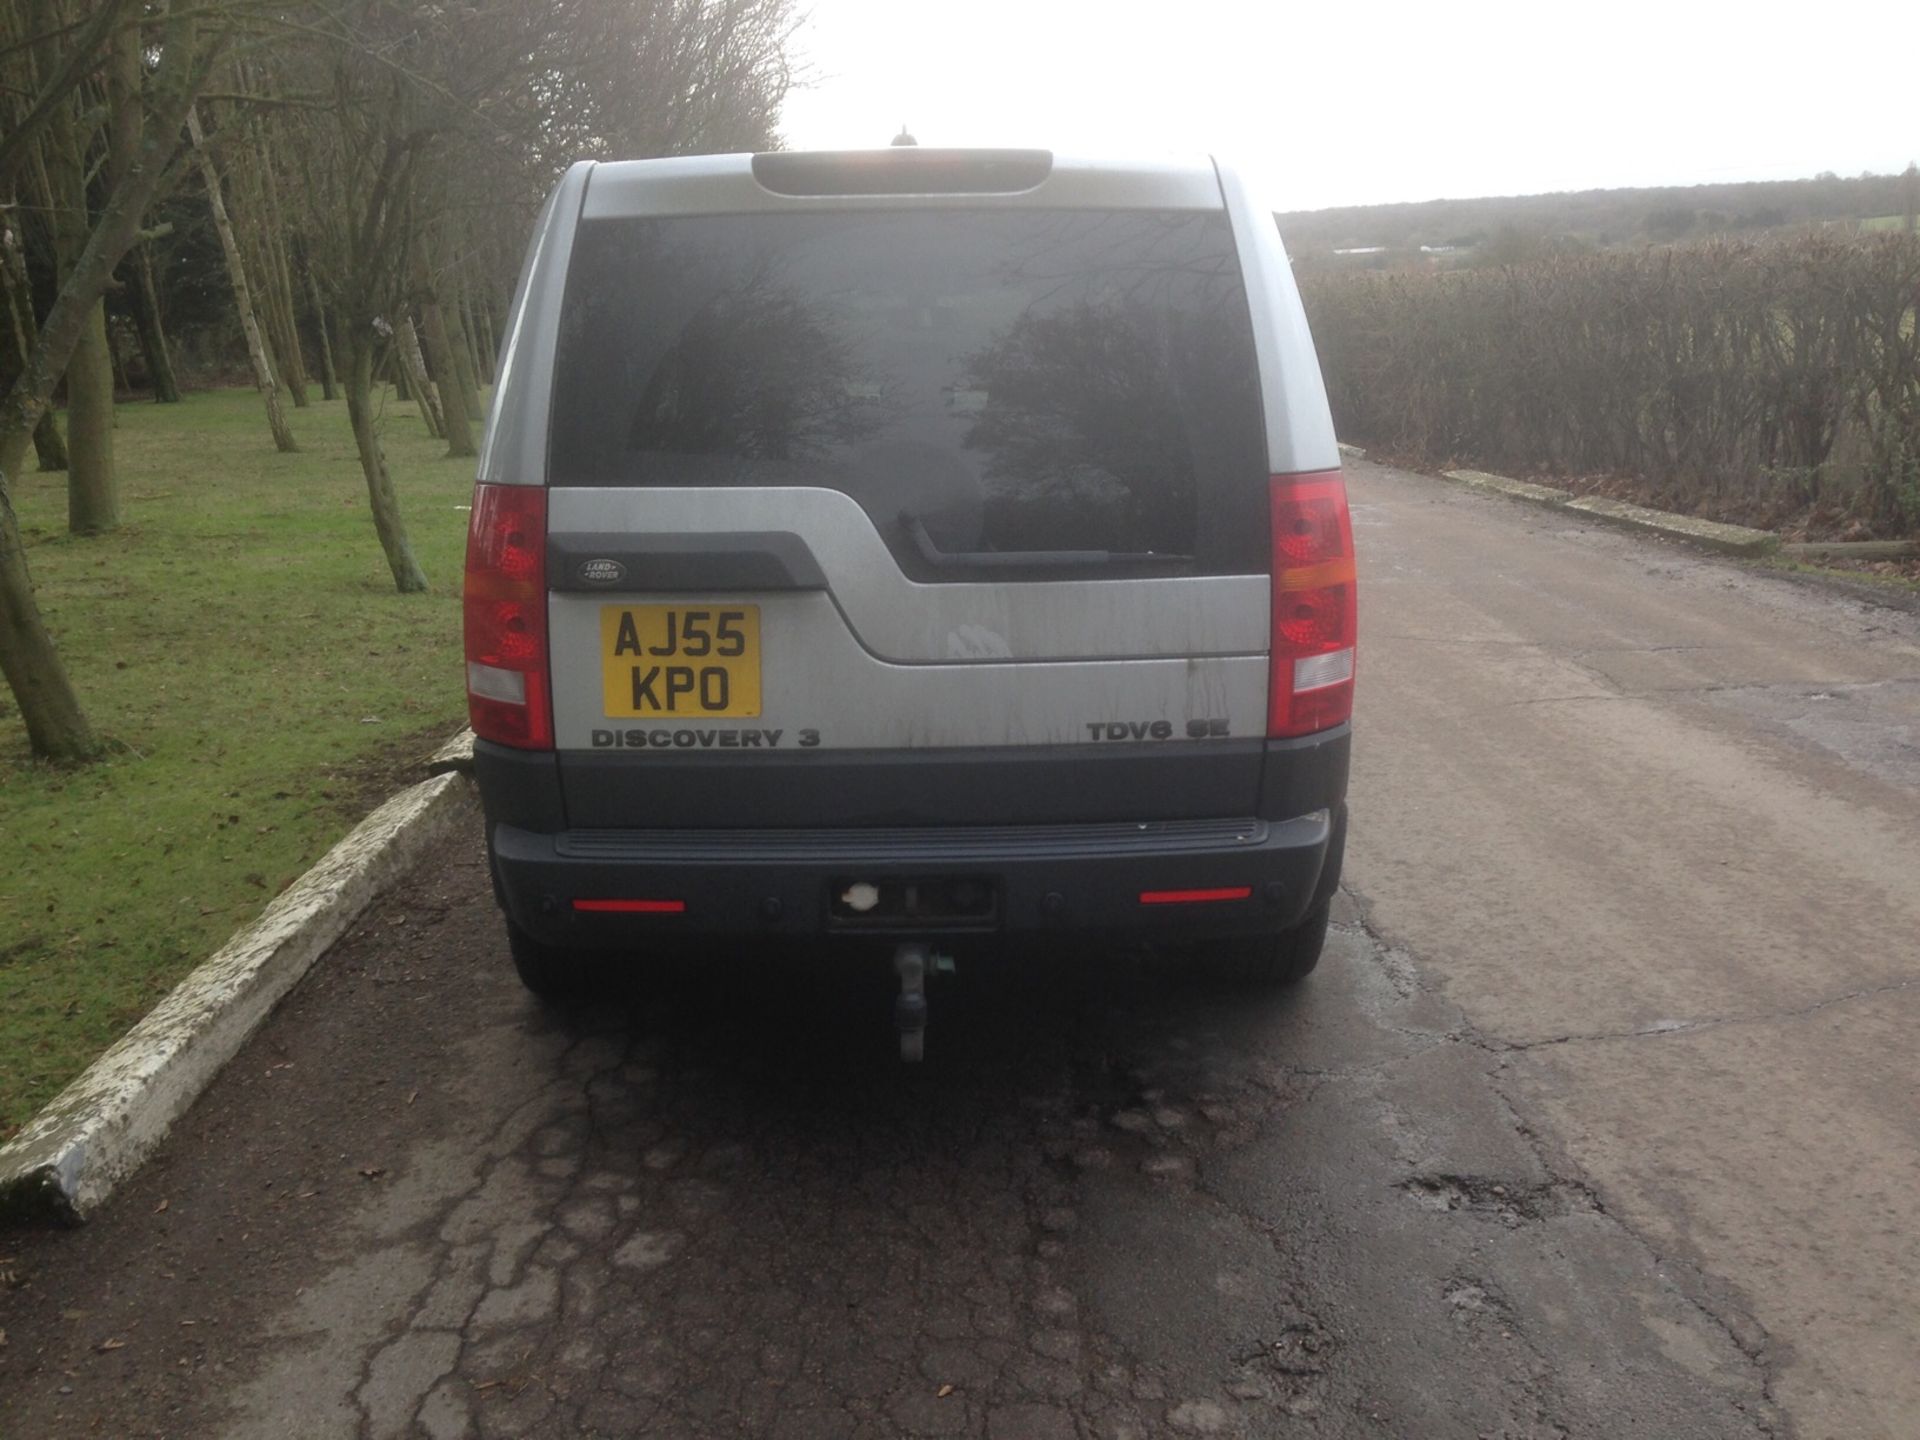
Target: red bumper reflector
(1194, 897)
(633, 907)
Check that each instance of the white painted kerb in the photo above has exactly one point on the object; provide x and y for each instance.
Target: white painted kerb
(97, 1130)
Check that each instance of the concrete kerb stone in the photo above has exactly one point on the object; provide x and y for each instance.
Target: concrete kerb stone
(97, 1131)
(1728, 539)
(1351, 452)
(1517, 489)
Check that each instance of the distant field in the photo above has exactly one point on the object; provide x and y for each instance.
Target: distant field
(1885, 222)
(240, 643)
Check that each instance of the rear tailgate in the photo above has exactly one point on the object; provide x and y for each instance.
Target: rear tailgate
(983, 485)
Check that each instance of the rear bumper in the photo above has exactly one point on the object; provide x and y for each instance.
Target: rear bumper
(850, 789)
(1041, 879)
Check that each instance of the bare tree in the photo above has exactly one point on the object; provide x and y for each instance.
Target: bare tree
(57, 727)
(431, 113)
(263, 378)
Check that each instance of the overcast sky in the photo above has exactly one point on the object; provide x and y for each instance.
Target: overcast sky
(1359, 103)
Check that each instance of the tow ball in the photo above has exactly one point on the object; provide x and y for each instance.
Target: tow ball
(914, 963)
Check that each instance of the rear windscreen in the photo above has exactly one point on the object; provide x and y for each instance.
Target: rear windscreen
(1000, 390)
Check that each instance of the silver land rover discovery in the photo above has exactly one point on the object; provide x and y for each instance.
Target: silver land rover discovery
(910, 546)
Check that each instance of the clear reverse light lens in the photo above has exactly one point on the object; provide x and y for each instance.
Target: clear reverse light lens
(494, 683)
(1312, 672)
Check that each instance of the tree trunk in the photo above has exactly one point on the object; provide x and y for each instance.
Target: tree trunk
(277, 333)
(453, 400)
(57, 728)
(49, 445)
(292, 353)
(408, 578)
(461, 338)
(489, 347)
(282, 339)
(153, 334)
(329, 383)
(408, 344)
(93, 500)
(242, 296)
(117, 365)
(93, 497)
(49, 448)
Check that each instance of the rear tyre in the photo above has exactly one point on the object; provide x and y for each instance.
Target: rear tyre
(554, 974)
(1278, 960)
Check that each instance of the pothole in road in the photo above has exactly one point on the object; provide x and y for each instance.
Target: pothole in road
(1509, 1201)
(1289, 1370)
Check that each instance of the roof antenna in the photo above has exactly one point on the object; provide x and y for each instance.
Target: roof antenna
(905, 137)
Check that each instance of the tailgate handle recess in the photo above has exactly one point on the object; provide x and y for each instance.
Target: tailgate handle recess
(708, 560)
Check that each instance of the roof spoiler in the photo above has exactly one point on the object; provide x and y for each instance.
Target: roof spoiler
(901, 171)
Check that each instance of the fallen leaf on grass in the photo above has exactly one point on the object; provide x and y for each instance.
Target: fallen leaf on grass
(106, 1345)
(413, 1096)
(161, 1206)
(943, 1392)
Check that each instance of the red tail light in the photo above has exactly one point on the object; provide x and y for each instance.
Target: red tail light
(506, 617)
(1314, 612)
(632, 907)
(1195, 897)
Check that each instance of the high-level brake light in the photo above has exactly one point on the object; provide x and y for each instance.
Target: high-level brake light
(506, 617)
(1314, 612)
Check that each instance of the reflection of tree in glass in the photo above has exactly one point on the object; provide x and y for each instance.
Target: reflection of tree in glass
(1088, 429)
(755, 373)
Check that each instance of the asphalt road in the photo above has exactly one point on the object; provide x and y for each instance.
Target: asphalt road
(1597, 1120)
(1653, 822)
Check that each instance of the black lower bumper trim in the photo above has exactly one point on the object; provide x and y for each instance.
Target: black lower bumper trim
(1045, 879)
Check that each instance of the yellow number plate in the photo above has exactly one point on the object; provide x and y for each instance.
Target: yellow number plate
(680, 662)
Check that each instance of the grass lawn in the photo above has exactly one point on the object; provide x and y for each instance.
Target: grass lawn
(240, 645)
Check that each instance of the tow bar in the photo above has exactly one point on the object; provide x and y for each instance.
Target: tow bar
(910, 1010)
(914, 963)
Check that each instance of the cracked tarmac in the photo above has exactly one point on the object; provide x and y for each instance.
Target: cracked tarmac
(1597, 1119)
(1114, 1203)
(1684, 913)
